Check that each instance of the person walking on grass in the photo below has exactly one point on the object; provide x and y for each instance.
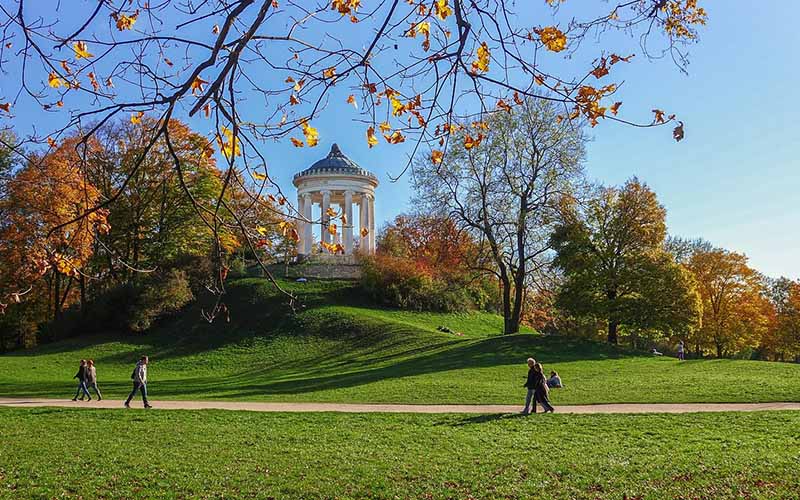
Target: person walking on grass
(139, 377)
(541, 390)
(530, 384)
(81, 376)
(91, 379)
(681, 355)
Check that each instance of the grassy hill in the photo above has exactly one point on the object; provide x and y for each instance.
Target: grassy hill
(338, 348)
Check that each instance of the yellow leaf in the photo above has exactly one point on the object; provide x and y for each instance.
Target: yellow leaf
(311, 134)
(329, 72)
(385, 127)
(371, 139)
(136, 118)
(331, 212)
(437, 157)
(259, 176)
(442, 9)
(332, 228)
(54, 81)
(81, 50)
(470, 142)
(229, 145)
(482, 62)
(262, 230)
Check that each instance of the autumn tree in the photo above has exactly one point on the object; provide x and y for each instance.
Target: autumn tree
(265, 70)
(43, 233)
(502, 181)
(610, 250)
(735, 309)
(783, 338)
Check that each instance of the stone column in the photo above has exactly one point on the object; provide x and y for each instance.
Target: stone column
(301, 225)
(371, 234)
(347, 229)
(308, 228)
(362, 223)
(326, 203)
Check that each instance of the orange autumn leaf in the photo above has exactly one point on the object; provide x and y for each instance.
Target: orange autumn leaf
(501, 104)
(329, 72)
(125, 22)
(470, 142)
(136, 118)
(207, 110)
(6, 107)
(437, 157)
(385, 127)
(395, 138)
(677, 132)
(215, 29)
(197, 85)
(659, 116)
(615, 107)
(332, 228)
(364, 232)
(351, 99)
(293, 100)
(296, 142)
(552, 38)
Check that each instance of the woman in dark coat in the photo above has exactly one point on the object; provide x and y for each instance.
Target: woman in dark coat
(540, 392)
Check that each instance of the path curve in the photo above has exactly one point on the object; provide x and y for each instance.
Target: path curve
(400, 408)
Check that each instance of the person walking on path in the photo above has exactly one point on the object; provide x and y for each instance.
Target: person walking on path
(531, 386)
(139, 377)
(81, 376)
(91, 379)
(680, 350)
(541, 390)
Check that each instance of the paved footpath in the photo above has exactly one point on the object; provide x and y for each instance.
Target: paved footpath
(400, 408)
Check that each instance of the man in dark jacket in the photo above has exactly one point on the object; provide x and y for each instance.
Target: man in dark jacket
(531, 385)
(81, 376)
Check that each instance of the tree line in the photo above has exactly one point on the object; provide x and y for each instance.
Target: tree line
(156, 248)
(570, 257)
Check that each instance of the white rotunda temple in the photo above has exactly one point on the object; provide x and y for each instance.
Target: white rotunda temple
(336, 180)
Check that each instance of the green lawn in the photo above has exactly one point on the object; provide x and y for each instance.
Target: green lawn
(217, 454)
(339, 349)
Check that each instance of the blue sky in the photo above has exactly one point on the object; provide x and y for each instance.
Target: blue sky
(734, 180)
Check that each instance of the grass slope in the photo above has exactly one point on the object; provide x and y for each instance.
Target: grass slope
(216, 454)
(338, 349)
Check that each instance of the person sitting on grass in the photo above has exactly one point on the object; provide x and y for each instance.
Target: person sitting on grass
(91, 379)
(655, 352)
(554, 382)
(81, 376)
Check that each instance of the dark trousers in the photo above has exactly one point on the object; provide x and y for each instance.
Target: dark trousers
(544, 400)
(138, 387)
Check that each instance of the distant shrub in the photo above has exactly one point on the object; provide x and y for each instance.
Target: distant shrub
(160, 297)
(399, 282)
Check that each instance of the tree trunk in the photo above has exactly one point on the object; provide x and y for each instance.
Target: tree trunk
(613, 322)
(57, 297)
(613, 325)
(507, 319)
(720, 349)
(82, 283)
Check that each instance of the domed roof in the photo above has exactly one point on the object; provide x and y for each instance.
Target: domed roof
(335, 163)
